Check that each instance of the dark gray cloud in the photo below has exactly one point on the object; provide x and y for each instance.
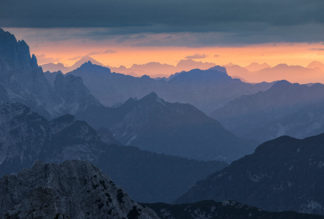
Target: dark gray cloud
(183, 15)
(243, 21)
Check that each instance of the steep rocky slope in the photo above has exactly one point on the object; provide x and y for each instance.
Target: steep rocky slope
(282, 174)
(73, 189)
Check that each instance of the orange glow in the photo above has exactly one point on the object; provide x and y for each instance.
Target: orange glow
(273, 54)
(126, 53)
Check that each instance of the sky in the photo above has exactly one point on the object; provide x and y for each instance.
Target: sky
(127, 32)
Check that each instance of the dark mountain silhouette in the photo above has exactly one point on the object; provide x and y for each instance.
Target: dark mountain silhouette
(221, 210)
(23, 81)
(282, 174)
(178, 129)
(26, 136)
(73, 189)
(205, 89)
(284, 109)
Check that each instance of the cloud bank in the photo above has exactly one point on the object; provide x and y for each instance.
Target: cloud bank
(213, 21)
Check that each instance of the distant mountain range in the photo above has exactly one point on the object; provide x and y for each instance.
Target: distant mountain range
(178, 129)
(154, 69)
(73, 189)
(256, 72)
(284, 109)
(282, 174)
(26, 137)
(205, 89)
(59, 67)
(252, 73)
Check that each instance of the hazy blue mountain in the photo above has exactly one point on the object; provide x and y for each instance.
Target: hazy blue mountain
(21, 77)
(220, 210)
(284, 109)
(73, 189)
(206, 89)
(282, 174)
(26, 136)
(178, 129)
(23, 81)
(75, 97)
(113, 88)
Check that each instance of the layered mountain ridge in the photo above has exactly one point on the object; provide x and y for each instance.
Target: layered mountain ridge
(284, 109)
(205, 89)
(179, 129)
(282, 174)
(26, 137)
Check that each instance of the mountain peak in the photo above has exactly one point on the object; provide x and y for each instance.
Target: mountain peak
(218, 68)
(152, 97)
(216, 73)
(89, 66)
(282, 83)
(15, 54)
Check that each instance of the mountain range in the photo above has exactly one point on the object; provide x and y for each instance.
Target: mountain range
(154, 69)
(26, 137)
(55, 94)
(282, 174)
(284, 109)
(178, 129)
(205, 89)
(145, 134)
(252, 73)
(255, 72)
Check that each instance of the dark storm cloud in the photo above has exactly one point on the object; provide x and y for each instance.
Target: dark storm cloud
(239, 18)
(182, 14)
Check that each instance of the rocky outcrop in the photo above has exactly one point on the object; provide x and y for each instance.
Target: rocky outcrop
(73, 189)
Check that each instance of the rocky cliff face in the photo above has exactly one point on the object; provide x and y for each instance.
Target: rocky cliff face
(21, 77)
(73, 189)
(23, 81)
(15, 55)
